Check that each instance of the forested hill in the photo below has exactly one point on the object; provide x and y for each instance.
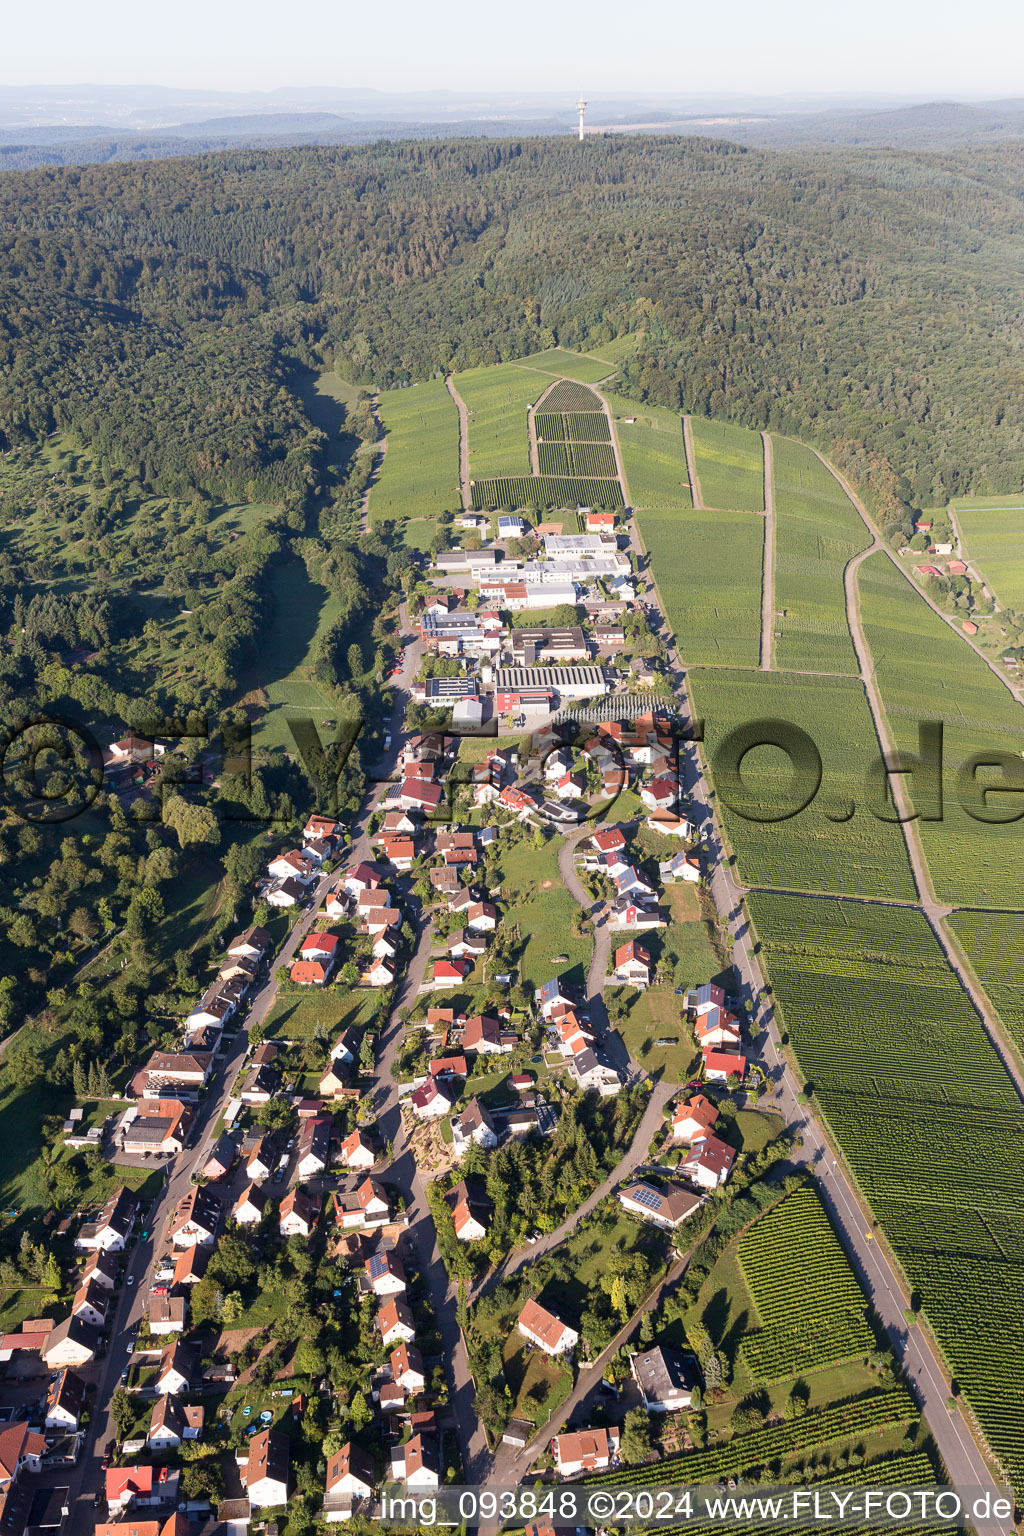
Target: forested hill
(864, 299)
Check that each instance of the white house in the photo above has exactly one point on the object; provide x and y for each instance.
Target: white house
(266, 1471)
(585, 1450)
(546, 1330)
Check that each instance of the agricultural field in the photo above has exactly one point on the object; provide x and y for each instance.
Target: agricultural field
(419, 474)
(577, 459)
(545, 491)
(807, 1296)
(823, 847)
(653, 455)
(567, 396)
(817, 532)
(709, 569)
(927, 1119)
(497, 400)
(581, 366)
(926, 673)
(572, 427)
(729, 465)
(992, 539)
(993, 943)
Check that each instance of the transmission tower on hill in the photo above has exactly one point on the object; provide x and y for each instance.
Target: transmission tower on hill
(581, 107)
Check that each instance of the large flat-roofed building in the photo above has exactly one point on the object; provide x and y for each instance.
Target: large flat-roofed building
(567, 545)
(532, 645)
(566, 682)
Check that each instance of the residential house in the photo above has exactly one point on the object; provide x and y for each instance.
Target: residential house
(263, 1083)
(660, 795)
(73, 1342)
(385, 1273)
(89, 1304)
(481, 917)
(260, 1162)
(349, 1479)
(665, 1377)
(172, 1422)
(310, 973)
(65, 1399)
(292, 866)
(709, 1163)
(474, 1124)
(448, 1067)
(395, 1322)
(297, 1214)
(250, 1207)
(431, 1100)
(407, 1368)
(665, 1206)
(719, 1066)
(449, 973)
(593, 1074)
(167, 1314)
(551, 996)
(190, 1266)
(546, 1330)
(681, 866)
(288, 893)
(101, 1269)
(357, 1151)
(485, 1036)
(221, 1158)
(418, 1462)
(585, 1450)
(700, 999)
(266, 1471)
(314, 1149)
(124, 1486)
(693, 1118)
(322, 827)
(717, 1030)
(381, 973)
(414, 795)
(176, 1371)
(470, 1210)
(254, 942)
(669, 824)
(196, 1219)
(633, 964)
(463, 945)
(363, 877)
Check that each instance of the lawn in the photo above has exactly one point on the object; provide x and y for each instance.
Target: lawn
(327, 399)
(281, 683)
(537, 1384)
(708, 567)
(497, 401)
(583, 367)
(653, 1015)
(817, 532)
(993, 540)
(730, 465)
(419, 533)
(926, 673)
(835, 843)
(653, 455)
(295, 1017)
(927, 1118)
(419, 475)
(536, 901)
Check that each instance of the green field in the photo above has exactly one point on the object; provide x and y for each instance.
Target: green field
(808, 1298)
(653, 455)
(419, 475)
(543, 911)
(993, 540)
(586, 368)
(926, 673)
(283, 684)
(572, 427)
(709, 567)
(817, 532)
(545, 491)
(497, 401)
(928, 1120)
(729, 465)
(814, 850)
(296, 1016)
(993, 943)
(577, 459)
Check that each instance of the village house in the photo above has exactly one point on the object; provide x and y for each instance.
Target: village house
(593, 1074)
(709, 1162)
(65, 1399)
(250, 1207)
(431, 1100)
(221, 1158)
(385, 1273)
(407, 1368)
(110, 1231)
(665, 1377)
(485, 1036)
(719, 1066)
(172, 1422)
(357, 1151)
(176, 1371)
(196, 1219)
(349, 1479)
(395, 1322)
(693, 1118)
(167, 1314)
(546, 1330)
(633, 964)
(259, 1163)
(470, 1210)
(666, 1207)
(417, 1463)
(681, 866)
(585, 1450)
(296, 1215)
(265, 1475)
(716, 1029)
(314, 1149)
(448, 1066)
(474, 1124)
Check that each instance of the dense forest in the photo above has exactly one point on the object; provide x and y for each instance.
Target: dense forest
(865, 299)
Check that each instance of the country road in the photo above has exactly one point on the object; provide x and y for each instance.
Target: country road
(460, 405)
(768, 579)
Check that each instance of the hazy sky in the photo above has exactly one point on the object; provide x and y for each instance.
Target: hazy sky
(903, 47)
